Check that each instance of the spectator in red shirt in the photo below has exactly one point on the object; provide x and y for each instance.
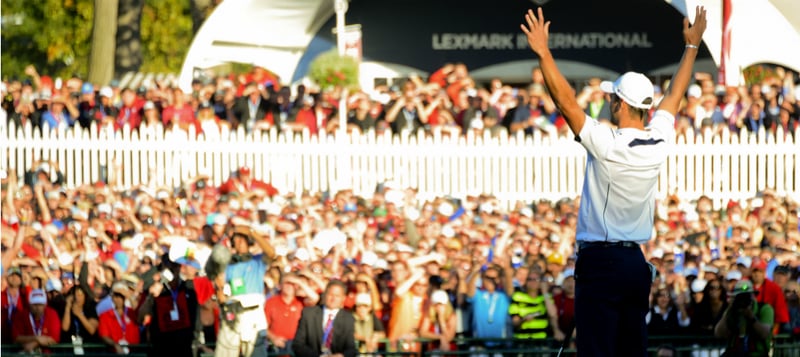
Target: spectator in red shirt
(130, 113)
(769, 292)
(180, 113)
(118, 326)
(565, 303)
(283, 313)
(243, 182)
(13, 301)
(39, 326)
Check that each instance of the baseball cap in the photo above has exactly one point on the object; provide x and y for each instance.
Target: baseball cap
(54, 285)
(698, 285)
(711, 269)
(694, 91)
(745, 261)
(759, 265)
(149, 105)
(106, 92)
(37, 296)
(439, 297)
(369, 258)
(733, 275)
(87, 88)
(632, 87)
(14, 270)
(363, 299)
(742, 287)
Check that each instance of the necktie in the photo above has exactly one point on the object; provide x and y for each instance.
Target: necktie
(328, 332)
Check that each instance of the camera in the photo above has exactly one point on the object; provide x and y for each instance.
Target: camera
(742, 301)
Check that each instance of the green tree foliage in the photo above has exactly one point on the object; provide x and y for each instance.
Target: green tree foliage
(166, 35)
(53, 35)
(56, 36)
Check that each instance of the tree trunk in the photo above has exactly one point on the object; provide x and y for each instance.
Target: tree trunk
(101, 58)
(128, 56)
(200, 11)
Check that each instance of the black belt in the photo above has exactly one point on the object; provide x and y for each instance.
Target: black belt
(604, 244)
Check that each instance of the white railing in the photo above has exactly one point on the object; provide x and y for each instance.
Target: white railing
(515, 168)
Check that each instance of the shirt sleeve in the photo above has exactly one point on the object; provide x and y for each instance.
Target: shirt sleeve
(766, 315)
(663, 123)
(595, 137)
(103, 328)
(53, 325)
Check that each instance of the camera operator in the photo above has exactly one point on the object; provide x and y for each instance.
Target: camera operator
(746, 324)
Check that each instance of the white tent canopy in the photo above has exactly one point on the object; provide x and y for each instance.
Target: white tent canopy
(272, 34)
(762, 31)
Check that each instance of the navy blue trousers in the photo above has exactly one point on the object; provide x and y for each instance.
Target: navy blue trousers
(612, 285)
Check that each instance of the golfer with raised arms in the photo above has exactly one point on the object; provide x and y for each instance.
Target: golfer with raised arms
(618, 199)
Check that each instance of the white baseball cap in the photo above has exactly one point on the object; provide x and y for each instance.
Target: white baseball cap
(733, 275)
(440, 297)
(634, 88)
(698, 285)
(363, 299)
(744, 260)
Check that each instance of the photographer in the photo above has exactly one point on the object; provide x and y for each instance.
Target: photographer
(746, 324)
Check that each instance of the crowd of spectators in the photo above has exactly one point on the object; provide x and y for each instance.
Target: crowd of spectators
(80, 262)
(448, 101)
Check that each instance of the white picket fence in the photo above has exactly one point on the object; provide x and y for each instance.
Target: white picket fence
(511, 168)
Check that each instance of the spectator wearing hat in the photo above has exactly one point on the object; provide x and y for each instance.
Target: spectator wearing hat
(88, 107)
(208, 122)
(708, 312)
(439, 322)
(14, 301)
(106, 108)
(38, 326)
(767, 292)
(565, 302)
(151, 120)
(240, 291)
(746, 324)
(283, 313)
(171, 305)
(117, 327)
(61, 113)
(368, 327)
(80, 321)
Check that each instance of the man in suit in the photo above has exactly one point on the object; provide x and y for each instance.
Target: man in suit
(251, 108)
(326, 330)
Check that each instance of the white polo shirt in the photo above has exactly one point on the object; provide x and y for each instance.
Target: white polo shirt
(619, 187)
